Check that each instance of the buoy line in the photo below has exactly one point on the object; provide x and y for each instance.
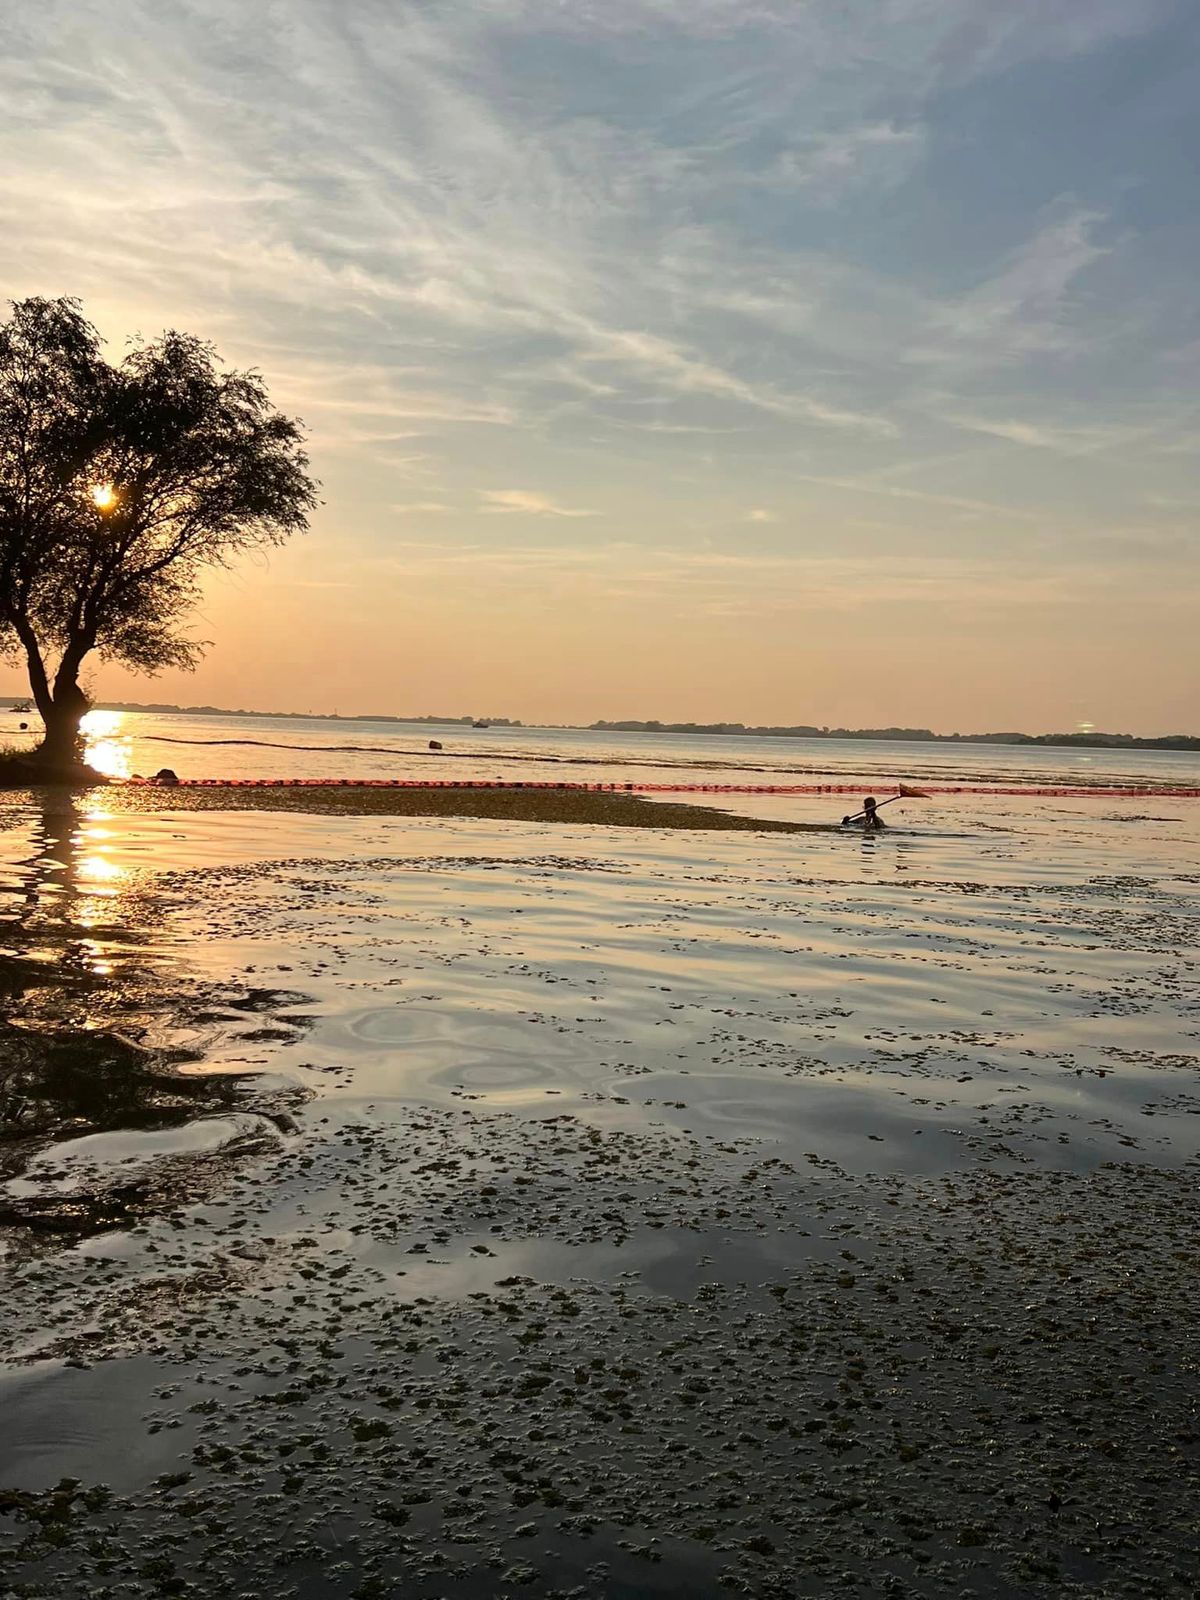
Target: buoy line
(1061, 791)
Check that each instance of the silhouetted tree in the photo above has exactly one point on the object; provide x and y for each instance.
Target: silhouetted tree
(119, 485)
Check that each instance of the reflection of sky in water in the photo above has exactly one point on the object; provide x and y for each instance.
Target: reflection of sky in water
(990, 973)
(107, 743)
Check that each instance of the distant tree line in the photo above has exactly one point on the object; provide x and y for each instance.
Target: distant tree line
(165, 708)
(1087, 741)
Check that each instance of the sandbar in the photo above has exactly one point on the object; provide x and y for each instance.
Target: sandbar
(572, 807)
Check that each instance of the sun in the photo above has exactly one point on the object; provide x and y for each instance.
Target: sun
(104, 496)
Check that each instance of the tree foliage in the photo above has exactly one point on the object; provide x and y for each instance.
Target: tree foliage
(120, 485)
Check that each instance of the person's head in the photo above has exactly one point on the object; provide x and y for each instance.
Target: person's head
(869, 805)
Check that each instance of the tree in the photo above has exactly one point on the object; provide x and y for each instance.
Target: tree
(120, 485)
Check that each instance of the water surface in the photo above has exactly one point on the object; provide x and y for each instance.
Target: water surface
(428, 1205)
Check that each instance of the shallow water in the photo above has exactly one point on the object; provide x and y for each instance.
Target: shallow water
(476, 1114)
(212, 746)
(1013, 984)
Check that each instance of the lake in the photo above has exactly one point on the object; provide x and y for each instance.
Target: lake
(491, 1209)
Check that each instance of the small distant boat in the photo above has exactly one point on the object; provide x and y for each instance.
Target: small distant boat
(481, 724)
(22, 708)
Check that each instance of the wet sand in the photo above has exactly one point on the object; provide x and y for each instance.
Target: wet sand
(508, 1210)
(352, 800)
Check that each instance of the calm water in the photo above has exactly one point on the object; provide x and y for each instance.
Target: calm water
(987, 967)
(362, 1146)
(1031, 947)
(196, 746)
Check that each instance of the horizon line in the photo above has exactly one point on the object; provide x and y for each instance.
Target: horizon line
(905, 734)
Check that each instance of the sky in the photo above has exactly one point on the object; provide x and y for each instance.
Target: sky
(778, 361)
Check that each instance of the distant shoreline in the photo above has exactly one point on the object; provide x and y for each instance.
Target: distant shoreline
(733, 730)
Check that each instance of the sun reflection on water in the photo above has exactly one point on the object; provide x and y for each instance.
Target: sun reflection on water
(97, 876)
(98, 870)
(105, 746)
(79, 896)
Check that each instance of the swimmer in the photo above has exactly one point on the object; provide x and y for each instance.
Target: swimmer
(868, 818)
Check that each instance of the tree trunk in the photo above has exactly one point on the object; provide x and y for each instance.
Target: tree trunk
(38, 681)
(61, 705)
(61, 750)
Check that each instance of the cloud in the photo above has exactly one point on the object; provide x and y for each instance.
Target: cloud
(527, 502)
(642, 241)
(690, 375)
(705, 19)
(828, 162)
(1024, 308)
(441, 207)
(760, 514)
(977, 40)
(952, 502)
(1064, 440)
(699, 583)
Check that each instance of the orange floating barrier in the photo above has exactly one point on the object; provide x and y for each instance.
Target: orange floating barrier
(1027, 791)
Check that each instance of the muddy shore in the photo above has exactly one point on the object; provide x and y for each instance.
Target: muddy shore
(564, 807)
(495, 1211)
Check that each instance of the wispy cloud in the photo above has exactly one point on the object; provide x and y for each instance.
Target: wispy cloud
(826, 163)
(712, 583)
(993, 509)
(1022, 308)
(527, 502)
(666, 361)
(1062, 439)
